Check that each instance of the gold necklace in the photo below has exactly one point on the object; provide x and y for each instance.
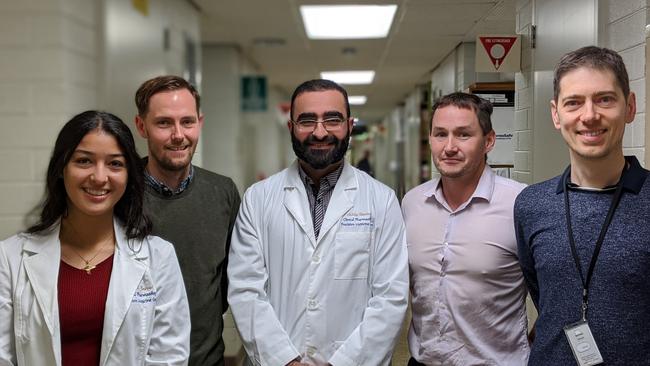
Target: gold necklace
(89, 267)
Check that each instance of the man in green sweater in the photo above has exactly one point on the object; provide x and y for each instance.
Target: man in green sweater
(190, 207)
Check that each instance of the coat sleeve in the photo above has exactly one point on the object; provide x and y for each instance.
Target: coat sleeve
(7, 339)
(265, 340)
(373, 340)
(170, 337)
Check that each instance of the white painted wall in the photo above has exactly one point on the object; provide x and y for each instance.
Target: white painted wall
(223, 145)
(623, 25)
(412, 117)
(47, 74)
(267, 139)
(240, 144)
(59, 58)
(443, 77)
(561, 27)
(135, 50)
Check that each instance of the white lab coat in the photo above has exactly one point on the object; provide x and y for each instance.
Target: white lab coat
(146, 321)
(340, 299)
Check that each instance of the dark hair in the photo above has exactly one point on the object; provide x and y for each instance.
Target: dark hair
(596, 58)
(129, 208)
(478, 105)
(162, 84)
(319, 85)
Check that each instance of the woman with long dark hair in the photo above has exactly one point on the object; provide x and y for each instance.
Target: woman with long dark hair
(87, 285)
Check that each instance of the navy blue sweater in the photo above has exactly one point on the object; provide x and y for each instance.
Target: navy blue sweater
(619, 294)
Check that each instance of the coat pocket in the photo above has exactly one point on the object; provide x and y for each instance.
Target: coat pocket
(351, 255)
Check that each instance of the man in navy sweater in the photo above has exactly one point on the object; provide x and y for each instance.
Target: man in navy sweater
(584, 237)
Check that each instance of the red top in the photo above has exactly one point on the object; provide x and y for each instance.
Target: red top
(82, 300)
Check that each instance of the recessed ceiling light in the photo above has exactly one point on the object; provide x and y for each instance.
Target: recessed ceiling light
(357, 99)
(349, 77)
(347, 21)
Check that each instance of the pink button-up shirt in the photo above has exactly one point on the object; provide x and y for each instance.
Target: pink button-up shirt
(467, 289)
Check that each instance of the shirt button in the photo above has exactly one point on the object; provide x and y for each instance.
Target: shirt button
(312, 304)
(311, 351)
(315, 259)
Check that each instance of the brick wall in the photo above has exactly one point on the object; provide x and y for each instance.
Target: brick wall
(523, 127)
(623, 30)
(47, 74)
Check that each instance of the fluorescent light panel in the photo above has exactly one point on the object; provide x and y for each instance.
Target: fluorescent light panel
(349, 77)
(357, 99)
(347, 21)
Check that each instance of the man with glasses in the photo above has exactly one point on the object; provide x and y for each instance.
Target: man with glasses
(318, 264)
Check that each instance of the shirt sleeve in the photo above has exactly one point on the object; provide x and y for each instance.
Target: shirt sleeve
(265, 340)
(170, 336)
(373, 340)
(526, 259)
(7, 345)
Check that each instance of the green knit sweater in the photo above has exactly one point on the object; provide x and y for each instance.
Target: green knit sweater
(199, 222)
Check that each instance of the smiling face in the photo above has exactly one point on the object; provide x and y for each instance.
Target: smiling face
(320, 148)
(458, 146)
(591, 113)
(172, 127)
(95, 177)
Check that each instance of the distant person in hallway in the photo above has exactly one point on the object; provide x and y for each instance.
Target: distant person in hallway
(584, 236)
(364, 164)
(193, 208)
(87, 284)
(318, 267)
(468, 297)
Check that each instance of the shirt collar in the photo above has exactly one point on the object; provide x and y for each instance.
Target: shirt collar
(162, 189)
(484, 188)
(632, 179)
(328, 181)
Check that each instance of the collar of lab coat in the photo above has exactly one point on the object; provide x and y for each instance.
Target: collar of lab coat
(296, 202)
(42, 257)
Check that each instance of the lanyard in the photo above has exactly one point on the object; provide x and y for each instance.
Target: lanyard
(608, 220)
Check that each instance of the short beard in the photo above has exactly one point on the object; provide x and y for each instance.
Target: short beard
(169, 165)
(317, 159)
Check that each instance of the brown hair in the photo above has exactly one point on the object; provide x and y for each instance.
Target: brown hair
(596, 58)
(162, 84)
(478, 105)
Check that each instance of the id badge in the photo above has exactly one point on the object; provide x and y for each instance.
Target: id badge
(582, 343)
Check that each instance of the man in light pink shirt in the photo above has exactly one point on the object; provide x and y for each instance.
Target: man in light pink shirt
(467, 289)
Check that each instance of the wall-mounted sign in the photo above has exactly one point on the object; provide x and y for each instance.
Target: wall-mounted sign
(498, 53)
(253, 93)
(503, 123)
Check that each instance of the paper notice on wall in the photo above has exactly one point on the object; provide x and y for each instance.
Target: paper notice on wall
(503, 124)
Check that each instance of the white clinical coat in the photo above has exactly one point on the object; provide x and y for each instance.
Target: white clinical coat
(340, 299)
(146, 321)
